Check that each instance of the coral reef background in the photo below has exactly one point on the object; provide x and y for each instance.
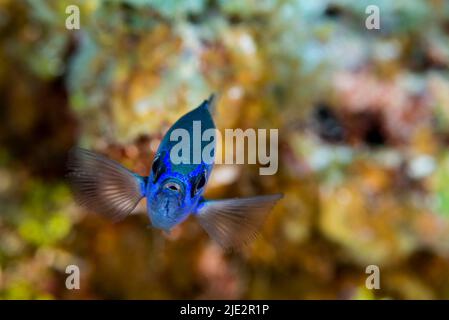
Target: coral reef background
(363, 136)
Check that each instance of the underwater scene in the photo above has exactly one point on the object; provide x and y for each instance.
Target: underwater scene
(340, 189)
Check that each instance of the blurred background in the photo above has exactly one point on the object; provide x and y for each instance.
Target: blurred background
(363, 133)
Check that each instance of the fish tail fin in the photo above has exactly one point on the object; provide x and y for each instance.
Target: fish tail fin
(103, 185)
(235, 222)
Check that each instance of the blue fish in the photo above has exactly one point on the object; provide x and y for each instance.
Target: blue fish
(173, 191)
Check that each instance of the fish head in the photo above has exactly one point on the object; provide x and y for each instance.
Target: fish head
(172, 194)
(167, 203)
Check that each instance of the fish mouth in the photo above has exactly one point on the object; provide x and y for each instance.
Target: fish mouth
(173, 186)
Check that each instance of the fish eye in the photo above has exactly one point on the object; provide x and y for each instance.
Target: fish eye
(201, 182)
(156, 168)
(156, 163)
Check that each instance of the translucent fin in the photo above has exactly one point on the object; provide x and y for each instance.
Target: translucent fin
(103, 185)
(235, 222)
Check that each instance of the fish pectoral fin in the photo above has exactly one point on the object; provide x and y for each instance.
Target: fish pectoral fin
(235, 222)
(103, 185)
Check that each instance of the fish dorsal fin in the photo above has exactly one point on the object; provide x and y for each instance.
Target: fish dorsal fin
(235, 222)
(211, 103)
(102, 185)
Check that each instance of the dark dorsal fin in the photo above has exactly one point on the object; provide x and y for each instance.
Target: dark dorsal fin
(211, 103)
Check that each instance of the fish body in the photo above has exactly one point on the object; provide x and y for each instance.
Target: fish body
(174, 189)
